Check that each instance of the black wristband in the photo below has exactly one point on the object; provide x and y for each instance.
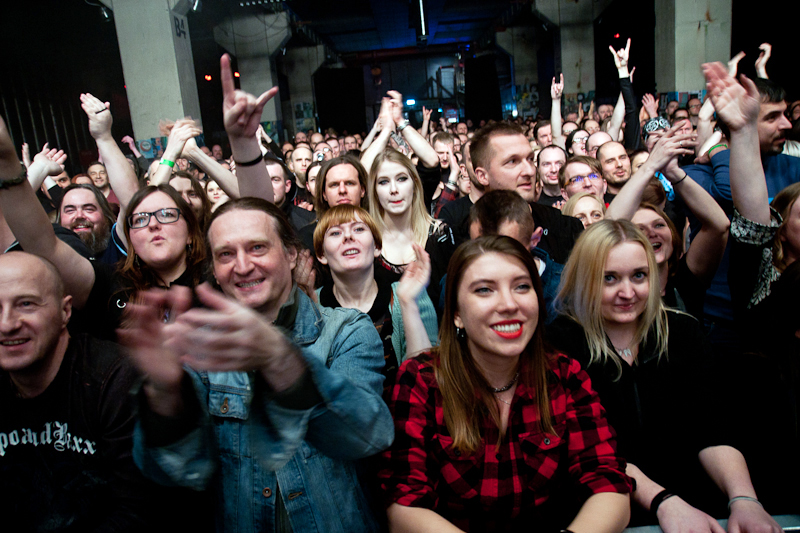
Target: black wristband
(255, 161)
(658, 500)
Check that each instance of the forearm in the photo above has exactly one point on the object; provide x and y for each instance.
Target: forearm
(224, 177)
(369, 138)
(375, 148)
(32, 228)
(555, 118)
(253, 180)
(417, 340)
(606, 512)
(424, 129)
(121, 176)
(698, 201)
(37, 172)
(646, 488)
(403, 519)
(747, 181)
(625, 204)
(421, 147)
(728, 469)
(704, 126)
(620, 111)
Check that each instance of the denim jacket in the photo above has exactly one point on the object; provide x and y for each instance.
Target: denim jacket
(258, 445)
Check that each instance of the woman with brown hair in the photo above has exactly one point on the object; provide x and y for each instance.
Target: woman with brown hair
(492, 431)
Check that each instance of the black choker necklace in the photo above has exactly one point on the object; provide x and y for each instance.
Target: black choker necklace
(506, 387)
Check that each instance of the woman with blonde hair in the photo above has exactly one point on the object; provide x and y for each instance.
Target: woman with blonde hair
(396, 202)
(652, 370)
(586, 207)
(494, 432)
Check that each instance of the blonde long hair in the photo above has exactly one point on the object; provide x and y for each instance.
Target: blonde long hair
(420, 219)
(581, 291)
(467, 397)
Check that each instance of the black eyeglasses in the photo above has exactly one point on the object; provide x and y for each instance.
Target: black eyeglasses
(577, 180)
(167, 215)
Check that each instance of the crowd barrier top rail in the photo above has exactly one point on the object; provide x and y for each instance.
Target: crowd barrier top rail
(789, 522)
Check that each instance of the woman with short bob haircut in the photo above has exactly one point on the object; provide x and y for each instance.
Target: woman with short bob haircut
(655, 377)
(491, 426)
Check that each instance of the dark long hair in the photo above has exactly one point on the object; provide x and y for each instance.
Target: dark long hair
(468, 399)
(138, 274)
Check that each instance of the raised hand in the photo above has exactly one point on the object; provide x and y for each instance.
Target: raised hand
(386, 116)
(416, 277)
(733, 64)
(397, 106)
(670, 146)
(99, 116)
(129, 141)
(241, 111)
(305, 275)
(183, 130)
(650, 105)
(763, 57)
(426, 113)
(556, 89)
(145, 334)
(52, 160)
(736, 104)
(621, 55)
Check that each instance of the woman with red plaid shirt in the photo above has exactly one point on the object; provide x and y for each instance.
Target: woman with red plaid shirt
(492, 432)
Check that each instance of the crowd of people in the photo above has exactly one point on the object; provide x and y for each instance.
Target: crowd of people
(553, 325)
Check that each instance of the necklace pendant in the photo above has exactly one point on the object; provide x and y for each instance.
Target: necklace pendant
(626, 353)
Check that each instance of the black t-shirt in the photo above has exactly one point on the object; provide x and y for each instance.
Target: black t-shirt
(456, 215)
(549, 201)
(560, 231)
(65, 456)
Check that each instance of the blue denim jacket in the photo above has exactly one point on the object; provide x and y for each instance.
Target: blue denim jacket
(311, 454)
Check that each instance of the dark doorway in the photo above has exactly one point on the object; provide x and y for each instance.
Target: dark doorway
(340, 98)
(482, 101)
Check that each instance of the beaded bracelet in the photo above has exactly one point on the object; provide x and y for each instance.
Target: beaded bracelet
(19, 180)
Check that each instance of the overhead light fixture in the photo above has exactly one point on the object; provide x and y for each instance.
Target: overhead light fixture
(410, 102)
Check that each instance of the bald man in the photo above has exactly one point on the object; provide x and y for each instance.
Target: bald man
(67, 419)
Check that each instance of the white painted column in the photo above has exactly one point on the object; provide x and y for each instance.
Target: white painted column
(689, 33)
(157, 63)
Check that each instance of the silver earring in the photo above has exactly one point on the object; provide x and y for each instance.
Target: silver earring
(461, 334)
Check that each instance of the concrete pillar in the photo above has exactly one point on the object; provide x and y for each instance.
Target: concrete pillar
(157, 63)
(689, 33)
(575, 20)
(299, 66)
(255, 40)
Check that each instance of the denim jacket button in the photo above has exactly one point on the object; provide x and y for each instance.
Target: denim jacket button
(267, 492)
(224, 408)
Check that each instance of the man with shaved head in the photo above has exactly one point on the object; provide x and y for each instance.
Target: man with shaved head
(67, 419)
(616, 165)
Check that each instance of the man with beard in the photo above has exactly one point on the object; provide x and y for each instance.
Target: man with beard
(85, 211)
(616, 165)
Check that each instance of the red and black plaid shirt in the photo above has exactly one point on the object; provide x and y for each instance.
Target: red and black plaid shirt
(495, 488)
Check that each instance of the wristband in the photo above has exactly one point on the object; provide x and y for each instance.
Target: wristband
(402, 125)
(717, 146)
(255, 161)
(746, 498)
(18, 180)
(658, 500)
(165, 161)
(685, 175)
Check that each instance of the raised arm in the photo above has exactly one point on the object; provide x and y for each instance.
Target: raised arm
(426, 122)
(41, 168)
(556, 90)
(738, 105)
(179, 133)
(412, 285)
(669, 146)
(417, 142)
(121, 176)
(32, 228)
(241, 115)
(761, 62)
(387, 126)
(376, 128)
(708, 245)
(224, 177)
(618, 116)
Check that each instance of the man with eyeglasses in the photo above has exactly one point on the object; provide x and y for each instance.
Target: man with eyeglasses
(582, 174)
(694, 106)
